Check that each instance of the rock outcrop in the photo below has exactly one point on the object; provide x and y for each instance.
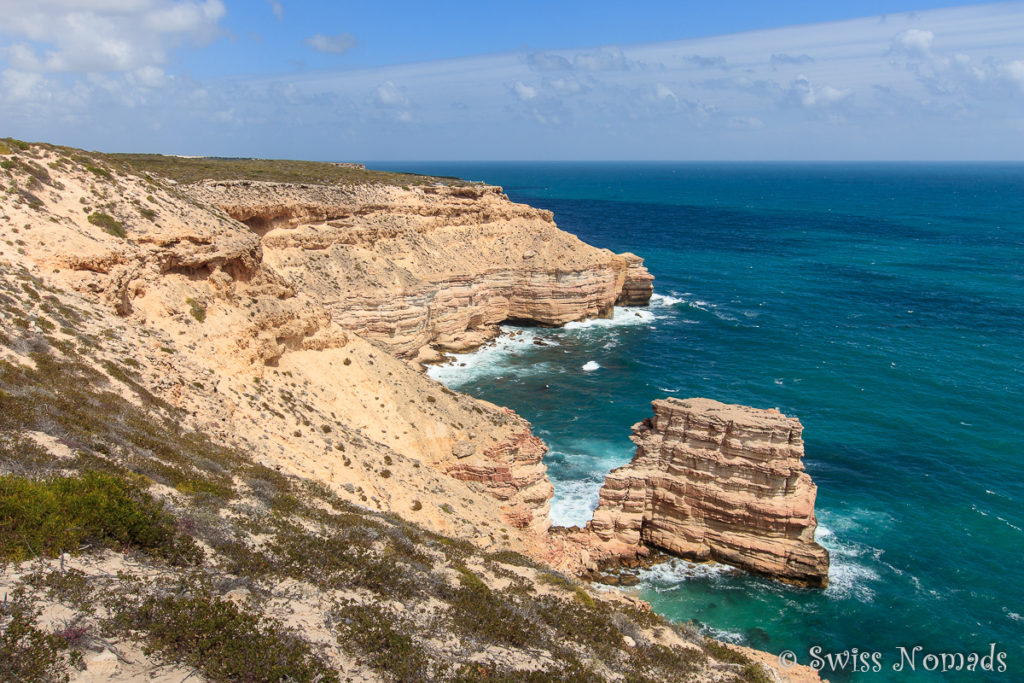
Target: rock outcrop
(638, 286)
(716, 481)
(430, 265)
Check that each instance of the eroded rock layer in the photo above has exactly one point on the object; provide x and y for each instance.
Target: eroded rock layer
(433, 265)
(194, 301)
(638, 286)
(717, 481)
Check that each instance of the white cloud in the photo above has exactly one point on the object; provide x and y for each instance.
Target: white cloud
(803, 91)
(388, 95)
(22, 85)
(338, 44)
(605, 59)
(783, 58)
(90, 36)
(745, 123)
(663, 92)
(277, 8)
(566, 86)
(945, 83)
(1014, 72)
(540, 61)
(914, 41)
(524, 92)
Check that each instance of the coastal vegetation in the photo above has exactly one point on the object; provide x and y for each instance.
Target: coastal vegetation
(189, 525)
(131, 536)
(195, 169)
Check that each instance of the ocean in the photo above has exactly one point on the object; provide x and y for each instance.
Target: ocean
(883, 305)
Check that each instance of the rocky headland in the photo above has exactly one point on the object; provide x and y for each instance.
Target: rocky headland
(245, 355)
(429, 267)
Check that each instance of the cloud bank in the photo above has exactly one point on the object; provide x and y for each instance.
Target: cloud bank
(943, 84)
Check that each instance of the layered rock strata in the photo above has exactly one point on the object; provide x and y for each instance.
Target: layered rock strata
(432, 265)
(638, 287)
(258, 360)
(716, 481)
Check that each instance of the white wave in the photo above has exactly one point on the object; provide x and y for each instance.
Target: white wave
(734, 637)
(591, 365)
(665, 300)
(621, 316)
(491, 359)
(668, 575)
(1014, 616)
(668, 391)
(574, 502)
(1008, 523)
(848, 574)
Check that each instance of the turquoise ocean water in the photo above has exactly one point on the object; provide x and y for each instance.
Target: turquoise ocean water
(883, 305)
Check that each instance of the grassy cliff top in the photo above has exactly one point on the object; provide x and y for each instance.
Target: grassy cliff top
(195, 169)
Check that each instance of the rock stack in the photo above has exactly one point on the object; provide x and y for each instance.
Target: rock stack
(719, 482)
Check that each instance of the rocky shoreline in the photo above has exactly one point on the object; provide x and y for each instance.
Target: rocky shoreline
(289, 322)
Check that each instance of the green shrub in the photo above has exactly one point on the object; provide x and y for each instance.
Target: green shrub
(101, 172)
(369, 628)
(61, 514)
(724, 653)
(227, 644)
(108, 224)
(4, 148)
(27, 653)
(17, 144)
(197, 309)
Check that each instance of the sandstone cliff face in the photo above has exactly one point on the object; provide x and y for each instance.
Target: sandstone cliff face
(429, 265)
(717, 481)
(189, 294)
(638, 286)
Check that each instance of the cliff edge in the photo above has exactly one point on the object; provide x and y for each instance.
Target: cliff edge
(431, 265)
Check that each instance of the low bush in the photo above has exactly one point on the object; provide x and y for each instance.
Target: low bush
(369, 631)
(26, 652)
(108, 224)
(225, 643)
(47, 517)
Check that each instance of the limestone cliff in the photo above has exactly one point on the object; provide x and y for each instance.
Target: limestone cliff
(439, 265)
(717, 481)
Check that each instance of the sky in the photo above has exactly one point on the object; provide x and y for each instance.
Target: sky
(568, 80)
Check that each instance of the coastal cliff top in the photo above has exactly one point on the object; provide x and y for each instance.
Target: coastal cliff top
(186, 169)
(193, 169)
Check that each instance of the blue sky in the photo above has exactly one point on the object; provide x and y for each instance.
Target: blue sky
(877, 79)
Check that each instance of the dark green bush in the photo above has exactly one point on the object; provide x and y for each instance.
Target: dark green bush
(62, 514)
(369, 631)
(197, 309)
(108, 224)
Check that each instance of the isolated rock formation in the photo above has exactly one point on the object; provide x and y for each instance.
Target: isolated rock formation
(430, 265)
(717, 481)
(638, 286)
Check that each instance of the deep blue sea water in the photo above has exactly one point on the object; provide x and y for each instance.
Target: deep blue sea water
(883, 305)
